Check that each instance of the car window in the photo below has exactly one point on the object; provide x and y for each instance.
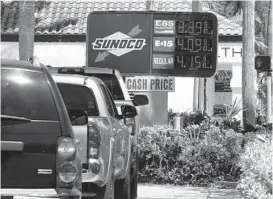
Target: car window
(109, 102)
(112, 102)
(79, 97)
(26, 93)
(112, 83)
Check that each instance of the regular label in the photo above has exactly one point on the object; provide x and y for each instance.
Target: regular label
(161, 61)
(164, 44)
(164, 26)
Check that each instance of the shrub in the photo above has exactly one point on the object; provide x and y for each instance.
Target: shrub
(215, 157)
(198, 155)
(256, 164)
(187, 119)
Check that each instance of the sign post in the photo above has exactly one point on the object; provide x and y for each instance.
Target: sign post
(263, 64)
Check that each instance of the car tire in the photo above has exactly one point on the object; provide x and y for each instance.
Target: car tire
(108, 191)
(123, 188)
(134, 178)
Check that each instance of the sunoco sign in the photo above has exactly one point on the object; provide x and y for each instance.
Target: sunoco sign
(119, 40)
(119, 43)
(150, 43)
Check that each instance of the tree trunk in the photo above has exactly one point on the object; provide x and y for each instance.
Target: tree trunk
(196, 7)
(269, 30)
(149, 5)
(26, 29)
(248, 71)
(269, 78)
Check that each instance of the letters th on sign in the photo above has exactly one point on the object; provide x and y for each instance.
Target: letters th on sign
(150, 84)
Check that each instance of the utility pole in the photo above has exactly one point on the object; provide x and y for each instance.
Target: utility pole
(26, 29)
(269, 75)
(248, 69)
(196, 7)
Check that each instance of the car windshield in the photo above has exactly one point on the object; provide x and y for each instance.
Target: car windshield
(26, 94)
(79, 97)
(112, 83)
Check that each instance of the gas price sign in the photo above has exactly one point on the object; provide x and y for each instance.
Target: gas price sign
(154, 43)
(192, 42)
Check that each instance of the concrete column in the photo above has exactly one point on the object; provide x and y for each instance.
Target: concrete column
(156, 113)
(210, 95)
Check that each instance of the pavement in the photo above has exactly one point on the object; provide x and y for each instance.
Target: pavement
(149, 191)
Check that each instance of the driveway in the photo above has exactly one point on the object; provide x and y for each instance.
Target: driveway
(148, 191)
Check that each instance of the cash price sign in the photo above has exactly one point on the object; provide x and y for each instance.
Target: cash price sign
(154, 43)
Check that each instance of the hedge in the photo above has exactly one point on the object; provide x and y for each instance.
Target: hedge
(197, 156)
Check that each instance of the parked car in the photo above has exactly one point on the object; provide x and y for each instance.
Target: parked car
(103, 142)
(115, 83)
(38, 150)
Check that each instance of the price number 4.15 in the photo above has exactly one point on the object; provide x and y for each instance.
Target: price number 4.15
(193, 62)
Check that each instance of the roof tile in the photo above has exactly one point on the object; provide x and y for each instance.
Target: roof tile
(70, 17)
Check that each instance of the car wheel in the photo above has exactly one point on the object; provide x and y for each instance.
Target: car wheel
(134, 174)
(123, 188)
(108, 191)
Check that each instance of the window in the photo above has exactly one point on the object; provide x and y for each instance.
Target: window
(79, 97)
(109, 101)
(112, 83)
(26, 93)
(112, 102)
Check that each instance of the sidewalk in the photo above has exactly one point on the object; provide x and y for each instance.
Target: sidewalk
(149, 191)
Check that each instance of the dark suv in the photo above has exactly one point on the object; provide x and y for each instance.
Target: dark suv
(38, 150)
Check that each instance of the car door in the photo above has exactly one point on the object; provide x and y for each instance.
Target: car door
(117, 126)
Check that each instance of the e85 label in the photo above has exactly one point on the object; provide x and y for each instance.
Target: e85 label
(164, 26)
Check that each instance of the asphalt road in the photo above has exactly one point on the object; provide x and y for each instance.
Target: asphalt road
(147, 191)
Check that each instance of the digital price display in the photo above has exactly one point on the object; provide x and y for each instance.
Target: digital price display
(193, 44)
(193, 62)
(195, 27)
(195, 39)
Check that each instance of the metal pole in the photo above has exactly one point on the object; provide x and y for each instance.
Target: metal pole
(196, 7)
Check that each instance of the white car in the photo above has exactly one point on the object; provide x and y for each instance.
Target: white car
(103, 142)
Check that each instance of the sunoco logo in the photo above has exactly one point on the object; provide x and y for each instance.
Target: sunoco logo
(118, 44)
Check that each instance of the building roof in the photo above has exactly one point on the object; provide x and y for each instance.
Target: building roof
(70, 17)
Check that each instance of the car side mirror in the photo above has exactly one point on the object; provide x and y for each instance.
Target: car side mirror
(140, 100)
(77, 116)
(128, 111)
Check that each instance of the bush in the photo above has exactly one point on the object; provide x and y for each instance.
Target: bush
(197, 156)
(187, 119)
(256, 164)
